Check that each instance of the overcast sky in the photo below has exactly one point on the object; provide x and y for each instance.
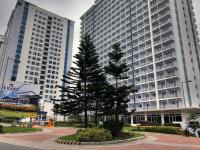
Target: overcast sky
(71, 9)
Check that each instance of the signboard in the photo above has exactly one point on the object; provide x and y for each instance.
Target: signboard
(18, 89)
(19, 100)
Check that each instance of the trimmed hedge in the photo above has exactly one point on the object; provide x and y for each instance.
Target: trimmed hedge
(127, 125)
(160, 129)
(94, 135)
(1, 129)
(147, 123)
(63, 124)
(72, 124)
(173, 125)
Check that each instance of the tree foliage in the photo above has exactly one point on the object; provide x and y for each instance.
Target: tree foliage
(118, 95)
(82, 88)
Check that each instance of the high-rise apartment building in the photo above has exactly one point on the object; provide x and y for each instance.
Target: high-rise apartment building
(158, 38)
(42, 42)
(196, 12)
(1, 43)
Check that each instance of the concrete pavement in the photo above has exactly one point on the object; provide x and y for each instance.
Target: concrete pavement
(153, 141)
(4, 146)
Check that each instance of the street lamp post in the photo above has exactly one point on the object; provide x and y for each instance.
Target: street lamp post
(16, 61)
(183, 90)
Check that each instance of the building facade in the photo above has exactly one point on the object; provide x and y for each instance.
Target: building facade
(1, 43)
(158, 38)
(38, 49)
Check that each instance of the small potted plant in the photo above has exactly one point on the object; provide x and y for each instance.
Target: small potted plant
(187, 132)
(198, 133)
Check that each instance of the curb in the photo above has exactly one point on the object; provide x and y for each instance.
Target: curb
(98, 143)
(67, 142)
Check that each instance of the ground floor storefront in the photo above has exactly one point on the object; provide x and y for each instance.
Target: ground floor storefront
(164, 116)
(159, 117)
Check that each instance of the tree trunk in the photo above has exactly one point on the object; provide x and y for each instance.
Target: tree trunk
(96, 117)
(116, 113)
(85, 97)
(86, 117)
(116, 117)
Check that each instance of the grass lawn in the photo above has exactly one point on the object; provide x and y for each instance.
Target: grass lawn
(128, 128)
(73, 137)
(19, 129)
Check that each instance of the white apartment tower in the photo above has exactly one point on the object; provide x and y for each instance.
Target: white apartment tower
(42, 42)
(1, 43)
(160, 43)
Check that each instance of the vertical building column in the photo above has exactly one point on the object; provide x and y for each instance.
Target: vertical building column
(184, 116)
(145, 117)
(153, 55)
(162, 118)
(131, 119)
(104, 118)
(120, 117)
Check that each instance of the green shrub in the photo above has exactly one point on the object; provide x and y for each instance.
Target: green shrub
(1, 128)
(94, 135)
(147, 123)
(127, 135)
(14, 123)
(173, 125)
(100, 125)
(68, 124)
(115, 127)
(159, 129)
(91, 125)
(138, 128)
(198, 132)
(7, 120)
(78, 131)
(127, 125)
(63, 124)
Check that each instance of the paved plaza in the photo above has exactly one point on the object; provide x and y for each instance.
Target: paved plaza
(5, 146)
(45, 141)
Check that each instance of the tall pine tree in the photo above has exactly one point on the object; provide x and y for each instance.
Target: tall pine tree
(98, 89)
(78, 94)
(118, 95)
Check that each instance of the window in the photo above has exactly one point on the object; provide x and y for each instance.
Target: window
(170, 118)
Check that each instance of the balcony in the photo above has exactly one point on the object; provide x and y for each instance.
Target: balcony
(171, 104)
(163, 40)
(146, 107)
(166, 57)
(168, 47)
(161, 23)
(166, 66)
(168, 85)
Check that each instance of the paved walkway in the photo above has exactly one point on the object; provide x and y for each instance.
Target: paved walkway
(5, 146)
(153, 141)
